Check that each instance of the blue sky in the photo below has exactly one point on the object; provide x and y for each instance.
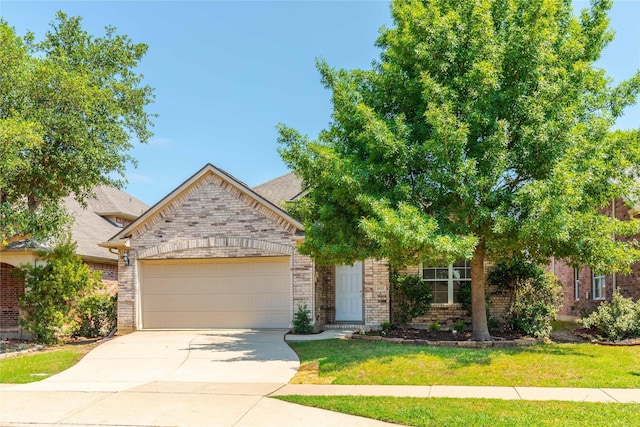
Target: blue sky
(226, 72)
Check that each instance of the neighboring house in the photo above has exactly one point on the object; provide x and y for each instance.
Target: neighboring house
(215, 253)
(105, 215)
(584, 289)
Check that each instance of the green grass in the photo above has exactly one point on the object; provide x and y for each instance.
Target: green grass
(38, 366)
(544, 365)
(443, 412)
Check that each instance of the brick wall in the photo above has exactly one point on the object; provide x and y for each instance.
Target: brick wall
(628, 285)
(123, 221)
(211, 218)
(376, 292)
(109, 274)
(447, 314)
(325, 295)
(11, 288)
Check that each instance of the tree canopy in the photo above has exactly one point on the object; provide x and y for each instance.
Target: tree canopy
(70, 107)
(484, 131)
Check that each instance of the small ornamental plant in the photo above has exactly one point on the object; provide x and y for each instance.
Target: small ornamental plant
(435, 327)
(302, 320)
(459, 326)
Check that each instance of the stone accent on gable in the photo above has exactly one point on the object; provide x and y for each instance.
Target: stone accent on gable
(211, 219)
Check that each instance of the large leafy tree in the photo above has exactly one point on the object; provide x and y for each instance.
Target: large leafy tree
(484, 133)
(70, 106)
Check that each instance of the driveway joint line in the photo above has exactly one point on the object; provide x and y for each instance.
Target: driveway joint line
(278, 389)
(248, 410)
(614, 399)
(517, 392)
(85, 407)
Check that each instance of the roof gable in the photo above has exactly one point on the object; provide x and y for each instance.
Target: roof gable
(180, 195)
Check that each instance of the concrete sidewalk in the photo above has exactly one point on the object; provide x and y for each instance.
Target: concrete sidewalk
(508, 393)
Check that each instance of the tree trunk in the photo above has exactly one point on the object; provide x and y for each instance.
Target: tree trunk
(478, 303)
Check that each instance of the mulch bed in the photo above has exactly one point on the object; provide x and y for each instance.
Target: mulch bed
(591, 335)
(414, 336)
(500, 338)
(429, 335)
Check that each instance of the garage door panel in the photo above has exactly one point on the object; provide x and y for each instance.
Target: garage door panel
(251, 293)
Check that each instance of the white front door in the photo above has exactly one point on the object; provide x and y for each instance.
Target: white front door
(349, 293)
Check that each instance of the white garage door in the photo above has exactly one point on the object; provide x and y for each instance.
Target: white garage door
(225, 293)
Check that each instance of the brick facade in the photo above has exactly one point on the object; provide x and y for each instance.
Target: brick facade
(211, 218)
(627, 284)
(11, 288)
(447, 314)
(377, 288)
(109, 274)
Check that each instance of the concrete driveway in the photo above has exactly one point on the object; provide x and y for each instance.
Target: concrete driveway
(168, 378)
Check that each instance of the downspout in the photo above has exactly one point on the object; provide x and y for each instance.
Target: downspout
(613, 275)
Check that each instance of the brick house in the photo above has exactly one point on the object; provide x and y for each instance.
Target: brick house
(584, 289)
(215, 253)
(105, 214)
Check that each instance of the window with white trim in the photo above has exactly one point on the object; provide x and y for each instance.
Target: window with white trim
(598, 286)
(445, 281)
(576, 284)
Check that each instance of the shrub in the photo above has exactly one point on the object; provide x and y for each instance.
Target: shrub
(616, 320)
(413, 296)
(464, 296)
(435, 327)
(536, 296)
(536, 305)
(302, 320)
(459, 326)
(96, 315)
(51, 290)
(385, 326)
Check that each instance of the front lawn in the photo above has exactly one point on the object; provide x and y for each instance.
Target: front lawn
(544, 365)
(40, 365)
(443, 412)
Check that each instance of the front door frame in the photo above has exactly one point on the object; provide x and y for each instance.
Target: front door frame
(349, 293)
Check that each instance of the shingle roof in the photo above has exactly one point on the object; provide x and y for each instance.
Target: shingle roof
(110, 201)
(283, 188)
(90, 228)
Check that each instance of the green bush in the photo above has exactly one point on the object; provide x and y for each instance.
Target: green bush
(51, 291)
(616, 320)
(464, 296)
(459, 326)
(413, 296)
(302, 320)
(435, 327)
(96, 315)
(536, 296)
(386, 326)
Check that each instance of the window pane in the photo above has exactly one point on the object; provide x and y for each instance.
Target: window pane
(461, 273)
(440, 292)
(442, 273)
(456, 288)
(598, 287)
(428, 273)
